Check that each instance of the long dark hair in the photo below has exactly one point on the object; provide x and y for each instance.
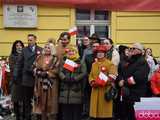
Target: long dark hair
(13, 51)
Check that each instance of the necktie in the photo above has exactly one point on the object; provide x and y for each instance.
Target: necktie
(32, 48)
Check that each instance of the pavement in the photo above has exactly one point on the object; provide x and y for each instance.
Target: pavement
(9, 117)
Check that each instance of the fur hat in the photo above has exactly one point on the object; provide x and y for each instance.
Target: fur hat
(138, 46)
(101, 48)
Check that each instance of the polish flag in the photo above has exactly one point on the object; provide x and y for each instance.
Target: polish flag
(112, 77)
(73, 31)
(70, 65)
(102, 79)
(131, 80)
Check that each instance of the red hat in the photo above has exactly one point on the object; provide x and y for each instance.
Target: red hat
(101, 48)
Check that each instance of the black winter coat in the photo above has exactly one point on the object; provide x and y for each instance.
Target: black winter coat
(25, 65)
(16, 87)
(139, 69)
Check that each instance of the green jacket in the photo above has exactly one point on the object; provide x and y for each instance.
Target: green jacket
(71, 84)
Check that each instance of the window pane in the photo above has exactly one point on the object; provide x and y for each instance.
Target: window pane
(102, 31)
(101, 15)
(83, 31)
(82, 14)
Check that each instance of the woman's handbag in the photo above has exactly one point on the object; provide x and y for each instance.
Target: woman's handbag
(111, 93)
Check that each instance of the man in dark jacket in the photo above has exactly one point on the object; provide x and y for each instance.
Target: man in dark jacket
(135, 79)
(24, 65)
(89, 59)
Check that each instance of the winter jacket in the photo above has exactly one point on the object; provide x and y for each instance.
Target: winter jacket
(71, 84)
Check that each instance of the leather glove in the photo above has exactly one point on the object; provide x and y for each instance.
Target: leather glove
(93, 84)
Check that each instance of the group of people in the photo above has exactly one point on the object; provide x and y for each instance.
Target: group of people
(74, 82)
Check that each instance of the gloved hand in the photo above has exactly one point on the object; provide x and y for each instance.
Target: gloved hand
(69, 80)
(93, 84)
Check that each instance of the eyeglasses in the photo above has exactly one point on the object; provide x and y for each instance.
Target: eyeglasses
(94, 46)
(106, 43)
(132, 48)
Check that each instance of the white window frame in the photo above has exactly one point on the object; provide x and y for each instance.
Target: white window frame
(92, 23)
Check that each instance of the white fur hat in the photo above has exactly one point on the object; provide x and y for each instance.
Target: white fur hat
(138, 46)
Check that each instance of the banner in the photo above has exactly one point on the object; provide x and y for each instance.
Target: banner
(111, 5)
(147, 109)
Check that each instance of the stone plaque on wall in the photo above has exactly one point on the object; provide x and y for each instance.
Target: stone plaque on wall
(20, 16)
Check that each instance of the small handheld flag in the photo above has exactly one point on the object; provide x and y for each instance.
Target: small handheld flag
(73, 31)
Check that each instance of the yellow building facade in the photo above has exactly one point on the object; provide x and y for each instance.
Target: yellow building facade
(51, 22)
(126, 28)
(144, 27)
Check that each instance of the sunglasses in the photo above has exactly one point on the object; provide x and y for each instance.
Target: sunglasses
(94, 46)
(132, 48)
(106, 43)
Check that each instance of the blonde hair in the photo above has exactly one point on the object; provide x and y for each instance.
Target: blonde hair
(52, 48)
(74, 48)
(51, 40)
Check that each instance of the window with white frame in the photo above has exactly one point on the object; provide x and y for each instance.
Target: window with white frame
(92, 21)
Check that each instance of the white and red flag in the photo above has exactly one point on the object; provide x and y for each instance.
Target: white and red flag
(70, 65)
(131, 80)
(73, 31)
(102, 79)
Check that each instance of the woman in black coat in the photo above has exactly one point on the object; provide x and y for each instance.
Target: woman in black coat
(16, 88)
(119, 109)
(135, 78)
